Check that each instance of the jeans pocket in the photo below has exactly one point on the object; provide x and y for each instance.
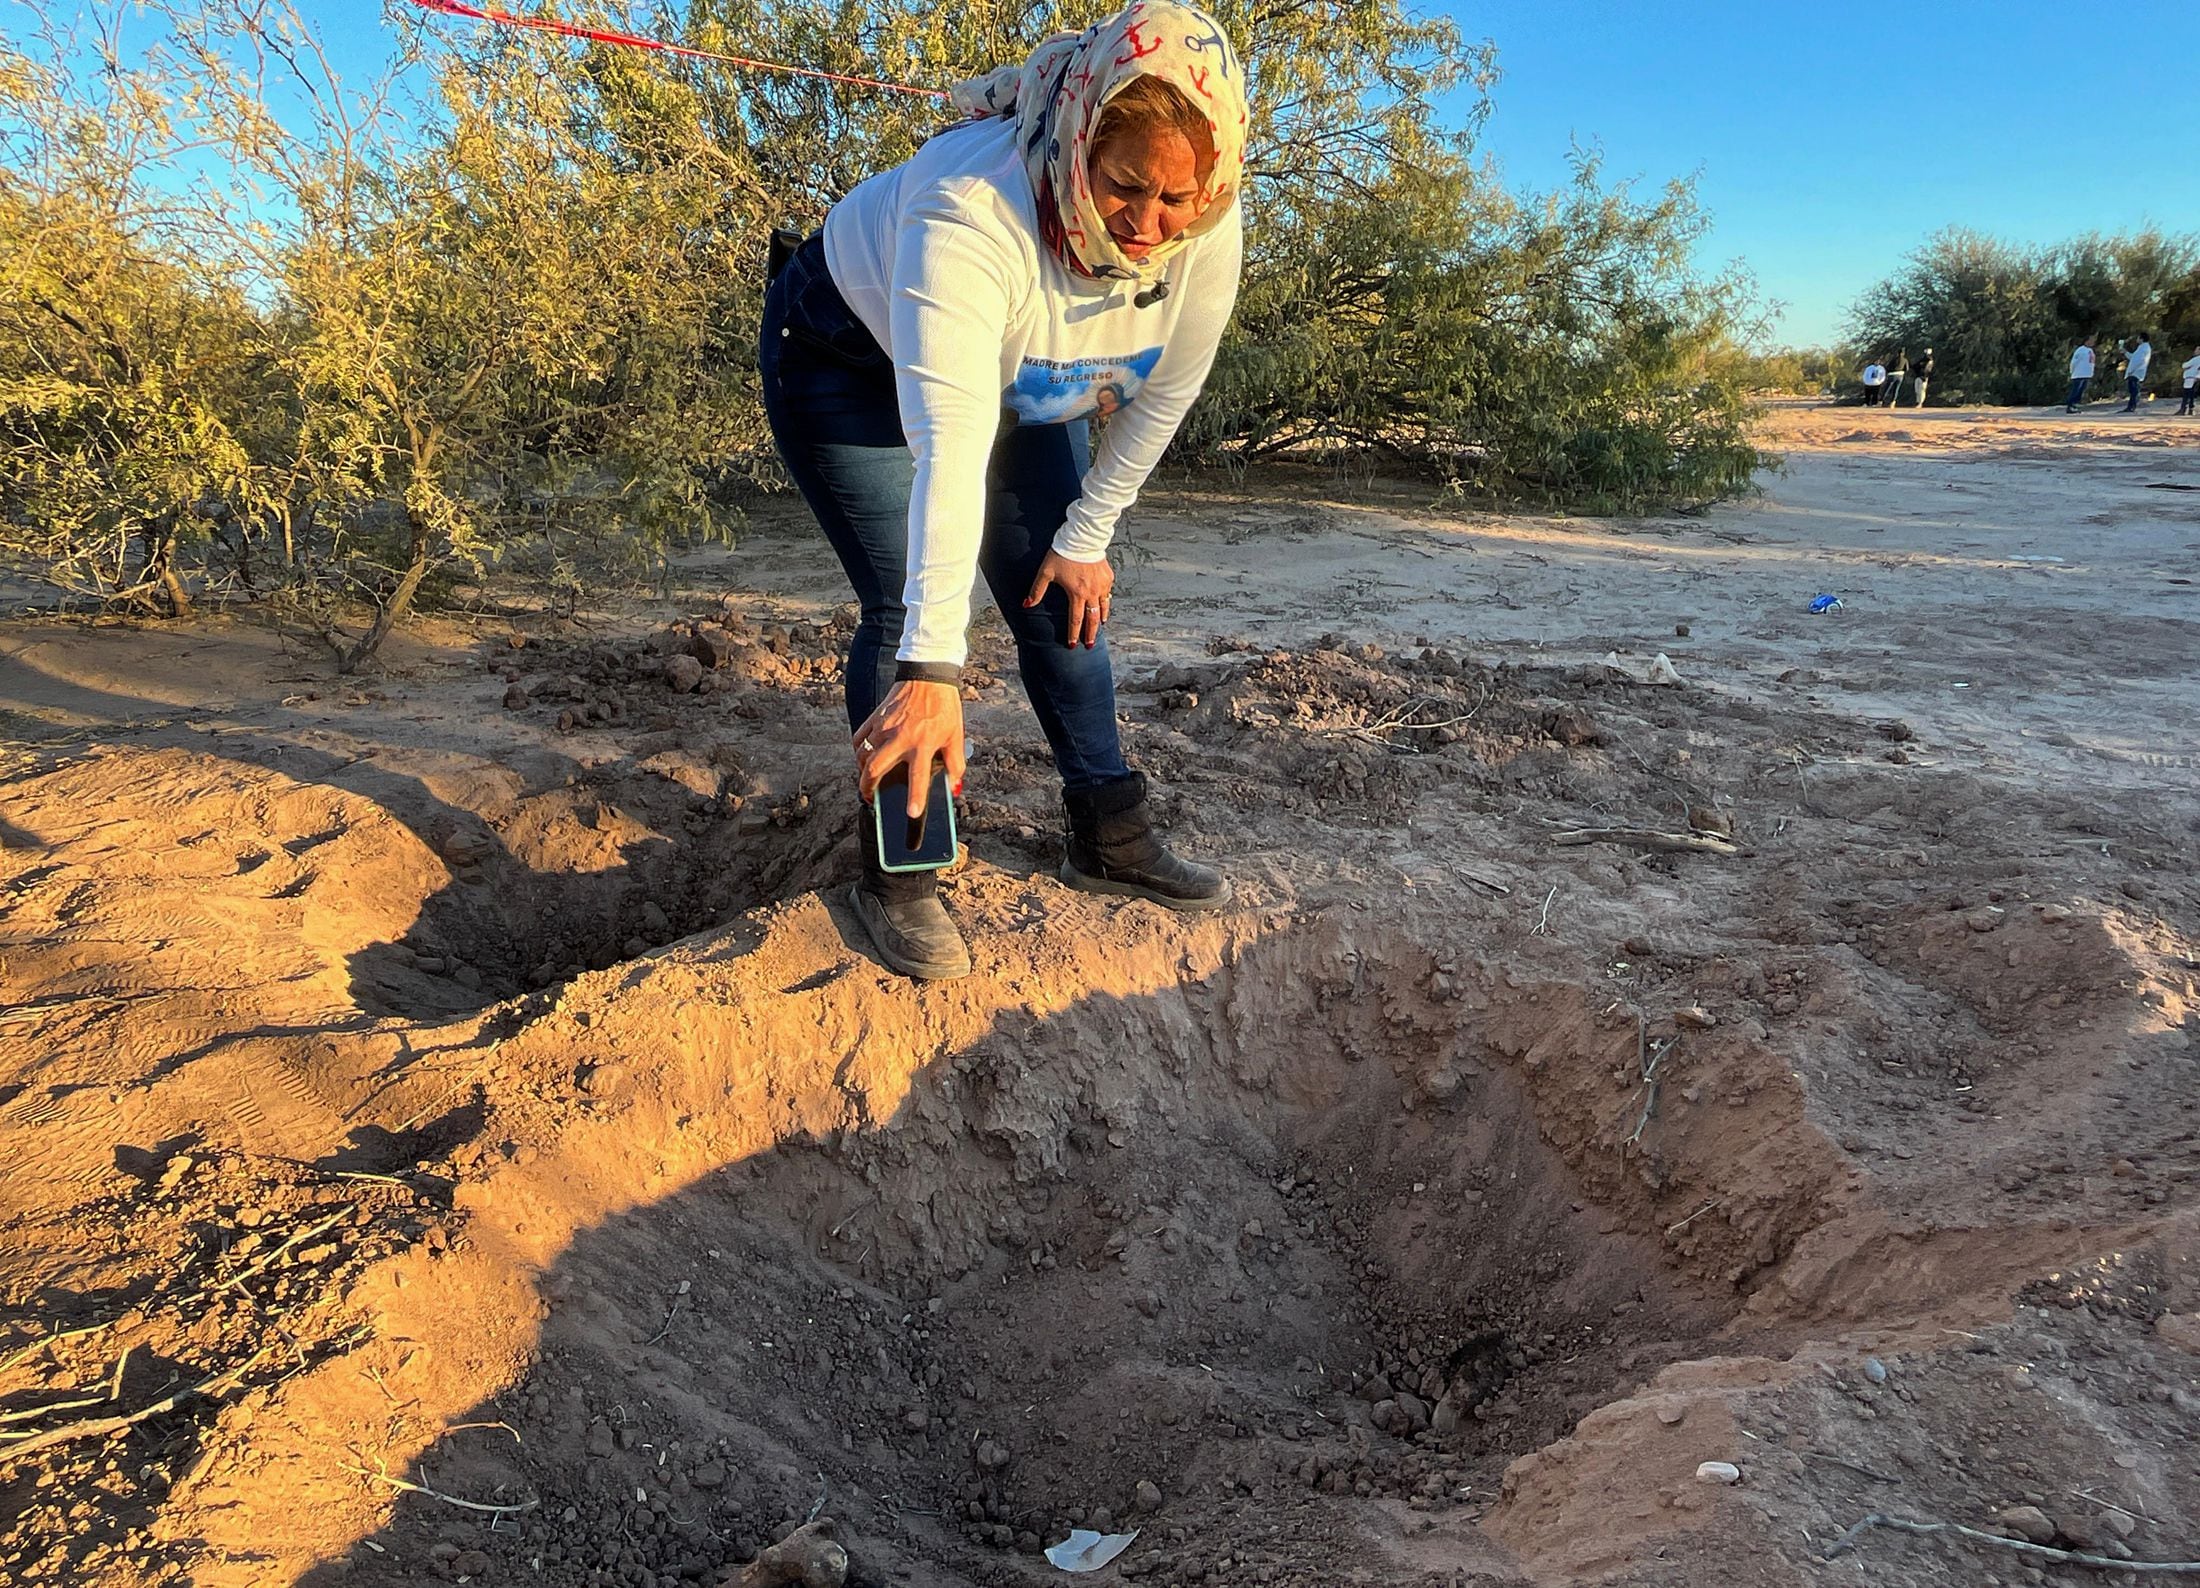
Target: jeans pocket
(818, 317)
(853, 346)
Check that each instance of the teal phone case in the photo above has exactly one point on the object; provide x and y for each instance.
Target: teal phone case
(878, 827)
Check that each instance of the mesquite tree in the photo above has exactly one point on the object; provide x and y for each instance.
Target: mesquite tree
(390, 355)
(123, 367)
(345, 346)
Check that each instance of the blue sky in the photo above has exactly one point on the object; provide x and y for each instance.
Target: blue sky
(1829, 137)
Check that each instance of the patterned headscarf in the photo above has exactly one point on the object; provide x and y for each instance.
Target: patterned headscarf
(1057, 98)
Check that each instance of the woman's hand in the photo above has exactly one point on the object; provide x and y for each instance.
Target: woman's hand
(916, 723)
(1090, 587)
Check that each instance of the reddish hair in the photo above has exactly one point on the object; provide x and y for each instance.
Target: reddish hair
(1154, 104)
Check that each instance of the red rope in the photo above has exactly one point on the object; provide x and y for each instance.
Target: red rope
(458, 8)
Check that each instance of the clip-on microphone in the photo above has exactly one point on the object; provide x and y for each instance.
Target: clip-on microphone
(1147, 297)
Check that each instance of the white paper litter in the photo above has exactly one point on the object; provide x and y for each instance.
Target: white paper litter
(1085, 1550)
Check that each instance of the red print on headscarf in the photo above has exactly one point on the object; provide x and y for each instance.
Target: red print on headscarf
(1139, 49)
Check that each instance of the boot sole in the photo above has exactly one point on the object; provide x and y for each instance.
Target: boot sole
(903, 964)
(1073, 878)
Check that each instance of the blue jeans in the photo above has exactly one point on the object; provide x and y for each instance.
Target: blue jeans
(2131, 385)
(829, 394)
(2078, 384)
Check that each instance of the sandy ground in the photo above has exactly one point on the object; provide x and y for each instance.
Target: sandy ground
(453, 1132)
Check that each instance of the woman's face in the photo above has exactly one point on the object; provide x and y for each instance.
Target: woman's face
(1145, 183)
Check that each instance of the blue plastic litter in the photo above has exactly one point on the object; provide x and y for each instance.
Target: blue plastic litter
(1825, 603)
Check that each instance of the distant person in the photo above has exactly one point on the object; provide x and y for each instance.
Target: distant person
(2136, 363)
(1921, 376)
(2190, 394)
(2081, 374)
(1891, 393)
(1875, 376)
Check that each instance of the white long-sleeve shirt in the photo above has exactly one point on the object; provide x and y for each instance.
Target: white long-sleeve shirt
(2135, 364)
(2081, 364)
(941, 259)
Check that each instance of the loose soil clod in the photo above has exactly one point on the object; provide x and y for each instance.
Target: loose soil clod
(809, 1557)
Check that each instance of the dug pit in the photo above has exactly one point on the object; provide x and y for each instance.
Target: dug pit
(1259, 1233)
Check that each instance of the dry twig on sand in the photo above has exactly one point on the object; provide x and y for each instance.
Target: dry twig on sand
(2070, 1557)
(1860, 1470)
(47, 1410)
(1675, 1229)
(1399, 719)
(297, 1238)
(671, 1313)
(113, 1394)
(100, 1427)
(459, 1428)
(410, 1487)
(45, 1340)
(1647, 838)
(1649, 1060)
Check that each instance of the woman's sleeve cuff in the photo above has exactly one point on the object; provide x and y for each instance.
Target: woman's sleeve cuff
(928, 673)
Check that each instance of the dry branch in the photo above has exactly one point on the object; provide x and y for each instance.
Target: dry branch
(1675, 1229)
(437, 1494)
(1650, 1061)
(297, 1238)
(671, 1313)
(1647, 838)
(1399, 719)
(29, 1412)
(100, 1427)
(2072, 1557)
(1856, 1467)
(113, 1394)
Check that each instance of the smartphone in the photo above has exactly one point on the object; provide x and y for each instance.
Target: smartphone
(925, 844)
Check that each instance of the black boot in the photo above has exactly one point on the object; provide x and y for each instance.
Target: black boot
(1113, 849)
(901, 911)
